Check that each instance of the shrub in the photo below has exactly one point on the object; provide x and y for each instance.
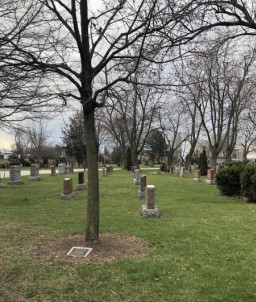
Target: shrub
(203, 166)
(228, 179)
(163, 167)
(248, 183)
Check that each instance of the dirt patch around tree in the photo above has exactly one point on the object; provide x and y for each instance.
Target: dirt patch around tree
(111, 247)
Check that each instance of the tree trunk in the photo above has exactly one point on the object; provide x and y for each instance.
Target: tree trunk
(92, 223)
(169, 160)
(134, 157)
(213, 160)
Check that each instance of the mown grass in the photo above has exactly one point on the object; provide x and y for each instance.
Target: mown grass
(203, 248)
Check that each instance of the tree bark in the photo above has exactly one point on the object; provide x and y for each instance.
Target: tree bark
(92, 222)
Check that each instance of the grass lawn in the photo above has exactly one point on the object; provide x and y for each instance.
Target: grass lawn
(202, 249)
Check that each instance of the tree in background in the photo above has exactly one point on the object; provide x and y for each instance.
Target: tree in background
(128, 159)
(203, 165)
(73, 139)
(155, 146)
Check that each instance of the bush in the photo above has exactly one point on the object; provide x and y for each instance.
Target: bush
(228, 179)
(163, 167)
(203, 166)
(248, 183)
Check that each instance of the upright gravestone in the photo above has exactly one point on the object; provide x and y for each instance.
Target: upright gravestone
(142, 191)
(67, 189)
(137, 177)
(150, 209)
(53, 170)
(104, 171)
(1, 184)
(197, 175)
(34, 172)
(210, 177)
(81, 184)
(182, 171)
(108, 169)
(177, 171)
(62, 168)
(15, 173)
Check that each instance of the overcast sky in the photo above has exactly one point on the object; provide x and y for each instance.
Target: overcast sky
(55, 125)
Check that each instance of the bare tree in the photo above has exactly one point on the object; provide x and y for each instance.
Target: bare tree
(247, 133)
(136, 107)
(23, 90)
(73, 47)
(172, 123)
(225, 85)
(37, 136)
(68, 48)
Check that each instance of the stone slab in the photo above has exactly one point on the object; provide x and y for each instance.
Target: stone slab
(210, 182)
(197, 179)
(15, 182)
(67, 196)
(34, 178)
(154, 213)
(81, 187)
(77, 251)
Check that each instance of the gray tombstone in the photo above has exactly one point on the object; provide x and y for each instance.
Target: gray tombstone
(81, 184)
(53, 170)
(62, 168)
(137, 177)
(34, 172)
(1, 184)
(182, 171)
(15, 173)
(142, 191)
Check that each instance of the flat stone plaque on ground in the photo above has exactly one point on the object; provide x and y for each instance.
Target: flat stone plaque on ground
(76, 251)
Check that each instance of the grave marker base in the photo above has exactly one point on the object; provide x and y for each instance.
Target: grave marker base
(154, 213)
(67, 196)
(15, 182)
(81, 187)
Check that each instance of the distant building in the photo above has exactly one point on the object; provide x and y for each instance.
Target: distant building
(5, 153)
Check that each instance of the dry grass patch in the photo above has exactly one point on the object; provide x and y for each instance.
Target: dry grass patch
(110, 248)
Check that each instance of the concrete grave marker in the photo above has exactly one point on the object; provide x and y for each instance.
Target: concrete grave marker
(34, 172)
(15, 173)
(79, 251)
(62, 168)
(137, 177)
(67, 189)
(210, 177)
(53, 171)
(81, 184)
(197, 175)
(142, 190)
(150, 209)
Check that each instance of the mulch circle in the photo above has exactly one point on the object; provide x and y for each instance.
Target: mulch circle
(111, 247)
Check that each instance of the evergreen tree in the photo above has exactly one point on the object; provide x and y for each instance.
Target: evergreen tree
(128, 162)
(203, 166)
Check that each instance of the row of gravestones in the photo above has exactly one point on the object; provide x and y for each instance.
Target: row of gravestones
(197, 177)
(68, 184)
(147, 192)
(15, 178)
